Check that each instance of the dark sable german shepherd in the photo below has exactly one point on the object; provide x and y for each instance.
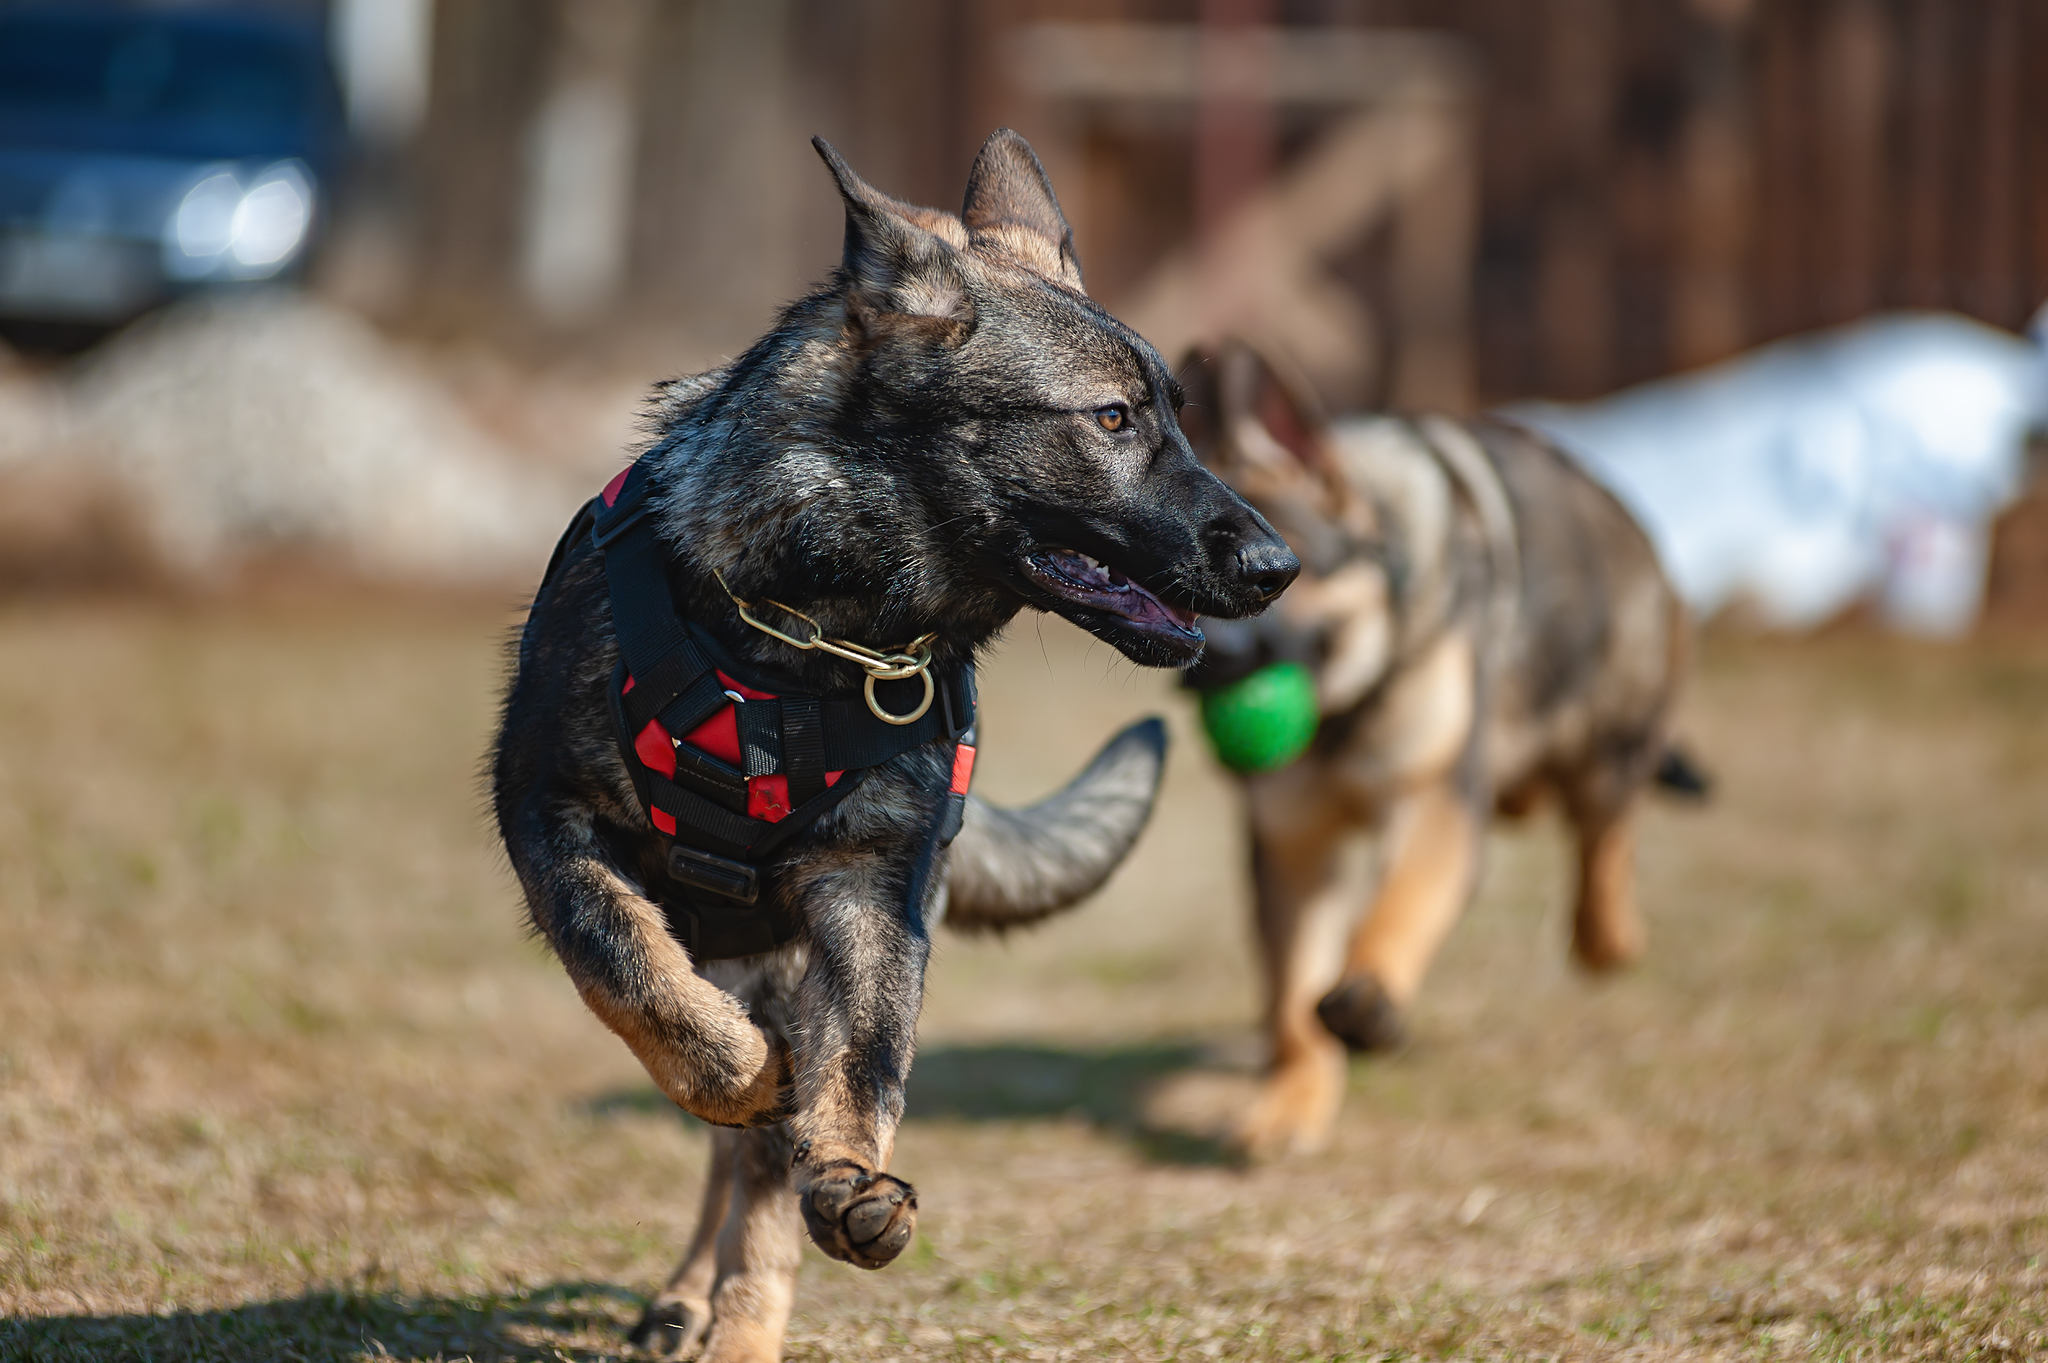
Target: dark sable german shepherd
(1486, 626)
(947, 432)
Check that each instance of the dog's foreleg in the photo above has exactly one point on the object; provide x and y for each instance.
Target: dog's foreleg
(857, 1026)
(1607, 928)
(1304, 907)
(1431, 855)
(695, 1040)
(758, 1253)
(680, 1313)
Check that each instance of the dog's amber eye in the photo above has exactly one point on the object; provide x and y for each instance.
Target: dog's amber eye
(1114, 417)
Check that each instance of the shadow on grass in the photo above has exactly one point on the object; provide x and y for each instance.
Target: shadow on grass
(579, 1321)
(1106, 1086)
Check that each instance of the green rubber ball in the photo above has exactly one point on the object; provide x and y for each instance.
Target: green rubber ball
(1262, 721)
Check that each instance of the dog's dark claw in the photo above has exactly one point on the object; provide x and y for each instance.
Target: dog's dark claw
(670, 1327)
(860, 1218)
(1359, 1013)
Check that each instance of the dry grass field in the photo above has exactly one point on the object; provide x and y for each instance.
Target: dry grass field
(282, 1078)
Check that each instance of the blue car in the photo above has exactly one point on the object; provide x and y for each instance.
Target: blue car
(148, 151)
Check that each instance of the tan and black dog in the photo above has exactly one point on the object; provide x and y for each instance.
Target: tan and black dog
(947, 432)
(1486, 627)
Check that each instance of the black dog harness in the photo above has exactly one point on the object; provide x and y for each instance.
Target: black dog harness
(729, 772)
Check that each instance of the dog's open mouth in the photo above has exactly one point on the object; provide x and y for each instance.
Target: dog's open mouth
(1089, 582)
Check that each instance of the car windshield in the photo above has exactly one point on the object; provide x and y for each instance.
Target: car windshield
(151, 83)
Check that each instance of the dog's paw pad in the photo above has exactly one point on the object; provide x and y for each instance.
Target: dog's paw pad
(670, 1327)
(862, 1218)
(1359, 1013)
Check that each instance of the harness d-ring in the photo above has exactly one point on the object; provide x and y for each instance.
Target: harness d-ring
(915, 715)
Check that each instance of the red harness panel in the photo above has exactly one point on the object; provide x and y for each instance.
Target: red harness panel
(719, 737)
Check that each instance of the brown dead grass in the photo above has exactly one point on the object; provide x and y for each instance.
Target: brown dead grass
(280, 1076)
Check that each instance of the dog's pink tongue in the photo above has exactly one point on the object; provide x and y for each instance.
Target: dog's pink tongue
(1185, 619)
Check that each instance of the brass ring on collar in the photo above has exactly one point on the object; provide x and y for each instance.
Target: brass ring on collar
(915, 715)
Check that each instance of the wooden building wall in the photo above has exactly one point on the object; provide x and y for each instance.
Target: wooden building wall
(1661, 182)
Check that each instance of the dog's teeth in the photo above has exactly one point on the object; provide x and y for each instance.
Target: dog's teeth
(1100, 572)
(1089, 571)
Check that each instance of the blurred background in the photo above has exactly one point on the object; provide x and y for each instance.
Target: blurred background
(542, 205)
(321, 319)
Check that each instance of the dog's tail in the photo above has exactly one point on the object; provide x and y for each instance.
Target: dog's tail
(1682, 775)
(1014, 866)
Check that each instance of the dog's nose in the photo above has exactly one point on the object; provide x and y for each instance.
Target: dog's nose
(1267, 566)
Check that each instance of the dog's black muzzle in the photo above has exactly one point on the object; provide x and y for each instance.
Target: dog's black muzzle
(1248, 564)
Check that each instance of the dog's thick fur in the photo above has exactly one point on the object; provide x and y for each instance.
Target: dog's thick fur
(930, 442)
(1486, 626)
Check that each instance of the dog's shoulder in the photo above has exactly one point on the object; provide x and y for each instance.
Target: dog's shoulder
(1597, 614)
(1551, 491)
(555, 726)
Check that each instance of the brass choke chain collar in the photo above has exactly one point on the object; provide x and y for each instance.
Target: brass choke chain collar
(913, 660)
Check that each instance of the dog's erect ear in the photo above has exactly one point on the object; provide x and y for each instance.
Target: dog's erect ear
(899, 261)
(1011, 208)
(1254, 386)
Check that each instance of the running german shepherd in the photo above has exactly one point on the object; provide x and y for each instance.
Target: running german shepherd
(1486, 626)
(947, 432)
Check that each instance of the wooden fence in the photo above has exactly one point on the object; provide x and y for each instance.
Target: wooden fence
(1660, 182)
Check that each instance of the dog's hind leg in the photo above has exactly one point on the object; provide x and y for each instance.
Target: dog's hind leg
(1432, 856)
(1304, 907)
(759, 1249)
(1607, 928)
(676, 1319)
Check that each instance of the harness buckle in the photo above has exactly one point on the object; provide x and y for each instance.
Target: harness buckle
(714, 874)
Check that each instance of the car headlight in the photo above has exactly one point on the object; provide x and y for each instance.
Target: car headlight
(223, 230)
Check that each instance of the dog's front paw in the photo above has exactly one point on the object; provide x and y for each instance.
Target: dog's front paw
(1296, 1108)
(671, 1326)
(858, 1216)
(1360, 1013)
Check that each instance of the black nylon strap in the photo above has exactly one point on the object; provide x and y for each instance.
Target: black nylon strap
(803, 748)
(709, 777)
(720, 829)
(736, 835)
(669, 678)
(761, 738)
(697, 703)
(656, 647)
(854, 737)
(724, 931)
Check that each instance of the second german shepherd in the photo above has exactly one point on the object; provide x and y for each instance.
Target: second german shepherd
(1486, 626)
